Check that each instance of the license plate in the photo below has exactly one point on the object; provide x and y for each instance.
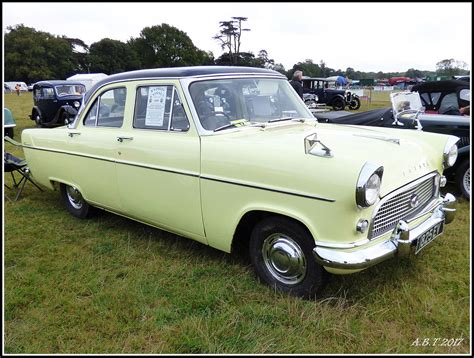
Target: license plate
(429, 235)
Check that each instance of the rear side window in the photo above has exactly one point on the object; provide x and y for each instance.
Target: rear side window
(48, 92)
(108, 109)
(159, 108)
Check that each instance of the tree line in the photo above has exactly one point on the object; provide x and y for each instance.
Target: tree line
(32, 55)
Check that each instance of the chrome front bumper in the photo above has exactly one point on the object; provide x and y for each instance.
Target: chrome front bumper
(402, 242)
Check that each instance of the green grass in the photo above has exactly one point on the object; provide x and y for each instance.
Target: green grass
(112, 285)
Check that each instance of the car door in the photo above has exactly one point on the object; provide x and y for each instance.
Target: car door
(93, 145)
(158, 163)
(47, 103)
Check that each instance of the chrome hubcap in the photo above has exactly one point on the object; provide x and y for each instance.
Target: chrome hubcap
(284, 259)
(467, 180)
(74, 197)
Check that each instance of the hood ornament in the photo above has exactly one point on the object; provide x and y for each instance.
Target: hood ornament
(312, 145)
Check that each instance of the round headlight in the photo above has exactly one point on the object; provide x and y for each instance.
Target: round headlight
(368, 185)
(372, 189)
(451, 156)
(76, 104)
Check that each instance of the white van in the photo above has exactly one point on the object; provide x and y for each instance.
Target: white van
(11, 85)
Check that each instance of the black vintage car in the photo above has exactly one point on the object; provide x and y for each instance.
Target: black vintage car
(56, 102)
(407, 112)
(443, 97)
(336, 98)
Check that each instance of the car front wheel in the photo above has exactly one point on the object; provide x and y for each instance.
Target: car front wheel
(75, 203)
(281, 252)
(354, 104)
(463, 179)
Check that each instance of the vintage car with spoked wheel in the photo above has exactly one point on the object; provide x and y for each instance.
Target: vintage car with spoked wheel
(338, 99)
(56, 102)
(231, 157)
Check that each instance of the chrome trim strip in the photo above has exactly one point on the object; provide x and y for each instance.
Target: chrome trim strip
(393, 194)
(302, 195)
(196, 175)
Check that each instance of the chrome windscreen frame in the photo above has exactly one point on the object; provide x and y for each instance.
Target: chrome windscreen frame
(425, 210)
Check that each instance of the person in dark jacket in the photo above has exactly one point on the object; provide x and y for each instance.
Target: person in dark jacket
(296, 83)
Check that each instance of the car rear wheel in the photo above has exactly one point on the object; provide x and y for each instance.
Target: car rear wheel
(338, 104)
(281, 252)
(75, 203)
(463, 179)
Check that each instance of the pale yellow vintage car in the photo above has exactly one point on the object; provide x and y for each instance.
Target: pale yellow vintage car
(231, 157)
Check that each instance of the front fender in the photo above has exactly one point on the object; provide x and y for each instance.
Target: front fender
(33, 110)
(69, 109)
(464, 150)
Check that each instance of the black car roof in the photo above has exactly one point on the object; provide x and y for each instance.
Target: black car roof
(56, 83)
(180, 72)
(440, 86)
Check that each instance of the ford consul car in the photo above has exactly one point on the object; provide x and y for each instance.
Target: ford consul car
(231, 157)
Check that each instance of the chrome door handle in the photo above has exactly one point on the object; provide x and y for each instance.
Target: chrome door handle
(121, 139)
(71, 134)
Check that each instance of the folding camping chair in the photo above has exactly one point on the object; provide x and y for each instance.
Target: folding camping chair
(12, 165)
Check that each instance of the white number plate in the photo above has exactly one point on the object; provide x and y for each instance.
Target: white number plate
(429, 235)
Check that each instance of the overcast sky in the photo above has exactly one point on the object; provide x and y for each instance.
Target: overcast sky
(364, 36)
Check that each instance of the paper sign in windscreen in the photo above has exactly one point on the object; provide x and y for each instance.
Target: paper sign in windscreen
(155, 109)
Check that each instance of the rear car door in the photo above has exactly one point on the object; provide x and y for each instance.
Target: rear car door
(158, 162)
(93, 145)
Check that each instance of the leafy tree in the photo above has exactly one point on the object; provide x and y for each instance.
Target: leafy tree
(451, 67)
(112, 56)
(309, 69)
(166, 46)
(32, 55)
(412, 73)
(229, 36)
(80, 54)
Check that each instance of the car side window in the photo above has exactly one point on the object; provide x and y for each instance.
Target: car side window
(108, 109)
(159, 108)
(48, 92)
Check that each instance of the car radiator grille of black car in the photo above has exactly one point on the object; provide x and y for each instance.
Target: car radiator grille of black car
(399, 206)
(463, 142)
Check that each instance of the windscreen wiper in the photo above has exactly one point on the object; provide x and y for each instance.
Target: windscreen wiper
(280, 119)
(285, 119)
(228, 125)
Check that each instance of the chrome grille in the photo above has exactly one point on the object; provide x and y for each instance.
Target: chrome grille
(398, 207)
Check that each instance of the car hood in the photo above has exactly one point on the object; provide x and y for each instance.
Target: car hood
(275, 156)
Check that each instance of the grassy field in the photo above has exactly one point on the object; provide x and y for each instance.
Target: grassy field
(112, 285)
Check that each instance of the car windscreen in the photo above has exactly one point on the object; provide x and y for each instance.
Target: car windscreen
(70, 90)
(238, 101)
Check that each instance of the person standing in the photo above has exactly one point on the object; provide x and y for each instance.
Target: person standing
(17, 89)
(296, 82)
